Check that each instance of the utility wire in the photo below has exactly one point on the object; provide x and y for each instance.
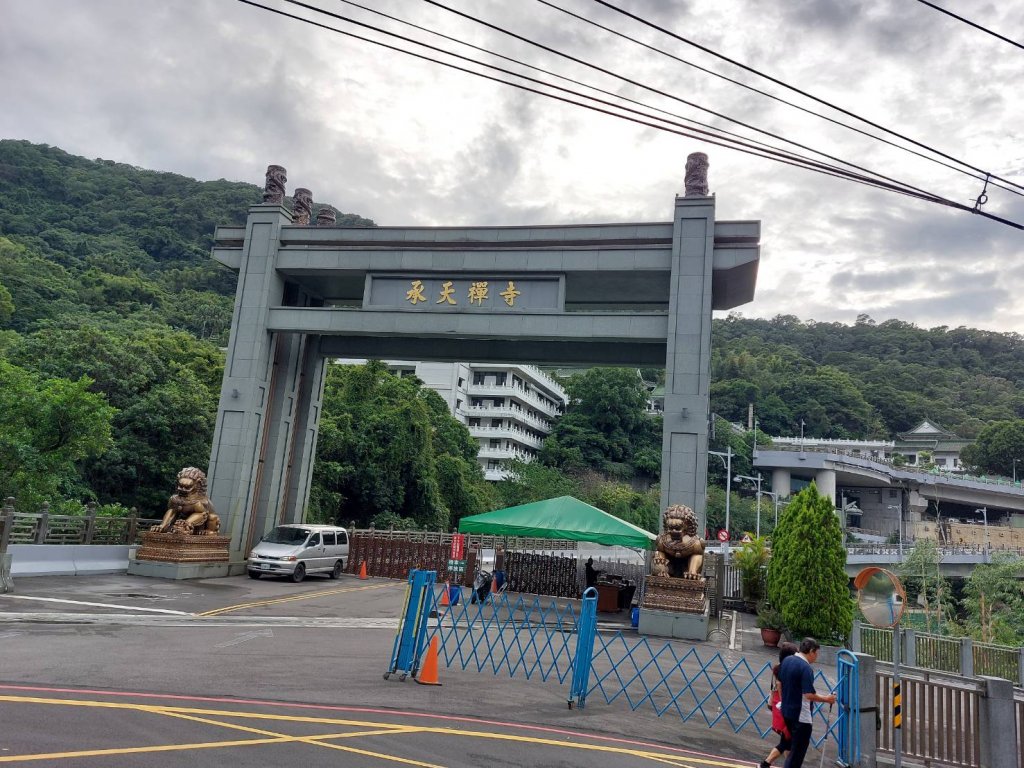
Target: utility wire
(775, 80)
(809, 165)
(765, 151)
(686, 121)
(971, 23)
(767, 94)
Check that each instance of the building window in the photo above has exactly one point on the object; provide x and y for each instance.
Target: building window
(892, 494)
(458, 405)
(461, 382)
(940, 462)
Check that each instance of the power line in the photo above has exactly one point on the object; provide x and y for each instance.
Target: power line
(776, 155)
(766, 94)
(686, 121)
(971, 23)
(652, 89)
(793, 88)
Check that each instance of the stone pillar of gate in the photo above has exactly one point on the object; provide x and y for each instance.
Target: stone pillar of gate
(688, 356)
(237, 456)
(309, 394)
(291, 421)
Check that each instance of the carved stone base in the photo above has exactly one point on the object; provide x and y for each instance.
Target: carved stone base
(182, 548)
(665, 593)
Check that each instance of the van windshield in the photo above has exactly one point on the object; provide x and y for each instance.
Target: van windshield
(284, 535)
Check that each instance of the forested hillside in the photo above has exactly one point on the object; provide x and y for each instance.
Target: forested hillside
(112, 314)
(867, 380)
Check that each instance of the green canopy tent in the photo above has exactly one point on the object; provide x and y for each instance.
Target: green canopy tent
(560, 518)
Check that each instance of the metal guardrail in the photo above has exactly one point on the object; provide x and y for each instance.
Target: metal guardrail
(952, 655)
(941, 717)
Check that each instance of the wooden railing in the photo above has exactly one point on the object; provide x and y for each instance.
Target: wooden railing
(90, 528)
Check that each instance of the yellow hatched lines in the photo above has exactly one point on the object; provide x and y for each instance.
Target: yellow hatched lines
(304, 596)
(368, 728)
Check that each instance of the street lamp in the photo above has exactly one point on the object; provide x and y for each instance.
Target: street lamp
(756, 480)
(899, 526)
(775, 498)
(984, 519)
(726, 459)
(1015, 471)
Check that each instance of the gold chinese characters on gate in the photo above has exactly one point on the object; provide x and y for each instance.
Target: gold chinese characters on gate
(478, 293)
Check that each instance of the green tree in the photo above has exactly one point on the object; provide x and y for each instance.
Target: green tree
(996, 448)
(606, 427)
(533, 481)
(807, 582)
(994, 601)
(47, 425)
(925, 585)
(165, 385)
(390, 451)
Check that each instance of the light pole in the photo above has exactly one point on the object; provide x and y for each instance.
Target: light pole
(899, 526)
(775, 498)
(726, 459)
(984, 519)
(1015, 471)
(756, 480)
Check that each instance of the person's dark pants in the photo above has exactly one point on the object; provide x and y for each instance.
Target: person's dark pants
(801, 734)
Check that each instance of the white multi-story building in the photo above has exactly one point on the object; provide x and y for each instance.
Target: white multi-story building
(509, 409)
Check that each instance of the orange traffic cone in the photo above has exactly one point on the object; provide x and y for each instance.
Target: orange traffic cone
(362, 571)
(428, 672)
(445, 600)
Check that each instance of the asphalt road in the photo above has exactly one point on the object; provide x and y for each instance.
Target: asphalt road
(123, 670)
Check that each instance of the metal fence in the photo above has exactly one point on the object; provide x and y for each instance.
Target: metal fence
(941, 717)
(956, 655)
(532, 566)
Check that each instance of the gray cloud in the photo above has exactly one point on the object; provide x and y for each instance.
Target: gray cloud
(218, 90)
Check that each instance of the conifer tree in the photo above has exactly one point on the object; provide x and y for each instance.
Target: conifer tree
(807, 582)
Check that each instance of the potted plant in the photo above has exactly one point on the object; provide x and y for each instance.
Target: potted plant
(769, 621)
(751, 560)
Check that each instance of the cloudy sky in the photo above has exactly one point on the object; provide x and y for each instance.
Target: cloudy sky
(219, 89)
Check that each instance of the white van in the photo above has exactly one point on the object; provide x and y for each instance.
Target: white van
(295, 550)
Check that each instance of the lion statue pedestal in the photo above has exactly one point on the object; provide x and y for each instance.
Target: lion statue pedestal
(675, 594)
(185, 544)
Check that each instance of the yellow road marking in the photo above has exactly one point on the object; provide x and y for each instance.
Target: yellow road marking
(304, 596)
(316, 740)
(379, 729)
(134, 750)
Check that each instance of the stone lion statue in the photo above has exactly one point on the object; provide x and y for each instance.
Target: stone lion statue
(189, 510)
(273, 191)
(680, 551)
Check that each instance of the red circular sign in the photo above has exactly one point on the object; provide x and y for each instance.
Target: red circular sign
(723, 535)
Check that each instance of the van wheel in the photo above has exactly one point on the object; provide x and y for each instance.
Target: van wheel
(299, 573)
(254, 574)
(338, 568)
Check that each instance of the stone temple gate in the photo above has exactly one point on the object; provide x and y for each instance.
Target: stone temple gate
(632, 294)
